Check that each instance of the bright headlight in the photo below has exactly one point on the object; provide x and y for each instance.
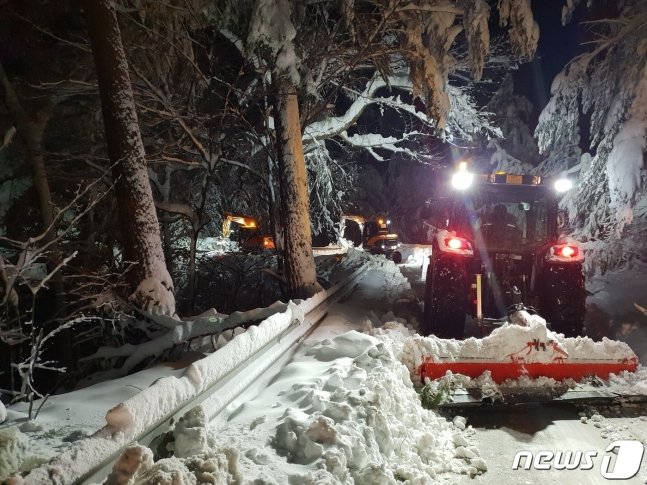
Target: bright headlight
(563, 185)
(462, 179)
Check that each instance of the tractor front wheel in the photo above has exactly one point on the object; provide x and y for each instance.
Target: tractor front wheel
(446, 294)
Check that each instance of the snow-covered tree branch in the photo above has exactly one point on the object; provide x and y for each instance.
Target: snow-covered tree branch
(608, 86)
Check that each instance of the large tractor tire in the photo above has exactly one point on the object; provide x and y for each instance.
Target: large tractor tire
(446, 294)
(563, 298)
(397, 257)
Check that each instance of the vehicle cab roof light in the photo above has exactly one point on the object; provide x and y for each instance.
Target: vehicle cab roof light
(563, 185)
(511, 179)
(462, 179)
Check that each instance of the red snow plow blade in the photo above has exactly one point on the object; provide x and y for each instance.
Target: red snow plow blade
(538, 358)
(501, 371)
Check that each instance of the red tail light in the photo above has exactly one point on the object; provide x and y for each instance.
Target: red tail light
(565, 253)
(450, 243)
(454, 243)
(569, 251)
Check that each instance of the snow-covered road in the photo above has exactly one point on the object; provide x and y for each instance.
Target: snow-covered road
(502, 432)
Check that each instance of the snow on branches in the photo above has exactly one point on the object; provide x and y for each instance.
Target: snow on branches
(605, 88)
(464, 121)
(271, 27)
(428, 32)
(523, 30)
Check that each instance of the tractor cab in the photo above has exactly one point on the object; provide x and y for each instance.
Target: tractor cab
(505, 217)
(498, 246)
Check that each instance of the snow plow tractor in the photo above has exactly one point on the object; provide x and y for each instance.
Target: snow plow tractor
(498, 249)
(378, 239)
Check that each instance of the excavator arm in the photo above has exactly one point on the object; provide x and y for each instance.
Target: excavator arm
(245, 222)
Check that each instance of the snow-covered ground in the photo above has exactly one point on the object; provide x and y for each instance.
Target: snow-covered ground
(342, 410)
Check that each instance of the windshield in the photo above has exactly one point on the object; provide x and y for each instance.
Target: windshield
(500, 224)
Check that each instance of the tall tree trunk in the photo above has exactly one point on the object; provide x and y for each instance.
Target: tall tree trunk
(299, 264)
(149, 278)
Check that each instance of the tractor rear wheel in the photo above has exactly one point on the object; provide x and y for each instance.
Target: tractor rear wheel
(563, 299)
(446, 293)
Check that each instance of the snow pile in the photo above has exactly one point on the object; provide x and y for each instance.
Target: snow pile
(130, 418)
(133, 459)
(13, 447)
(347, 413)
(512, 342)
(356, 419)
(611, 428)
(391, 285)
(190, 434)
(627, 382)
(135, 467)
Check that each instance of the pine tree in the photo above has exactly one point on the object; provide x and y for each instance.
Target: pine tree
(604, 89)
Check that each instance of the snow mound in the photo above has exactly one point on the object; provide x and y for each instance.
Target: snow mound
(135, 466)
(350, 344)
(134, 458)
(364, 423)
(13, 447)
(190, 433)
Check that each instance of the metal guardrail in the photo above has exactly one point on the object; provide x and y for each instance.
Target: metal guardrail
(215, 397)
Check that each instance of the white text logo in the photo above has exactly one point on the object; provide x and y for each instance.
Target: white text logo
(620, 461)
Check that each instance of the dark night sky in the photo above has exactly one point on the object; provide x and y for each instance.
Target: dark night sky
(557, 45)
